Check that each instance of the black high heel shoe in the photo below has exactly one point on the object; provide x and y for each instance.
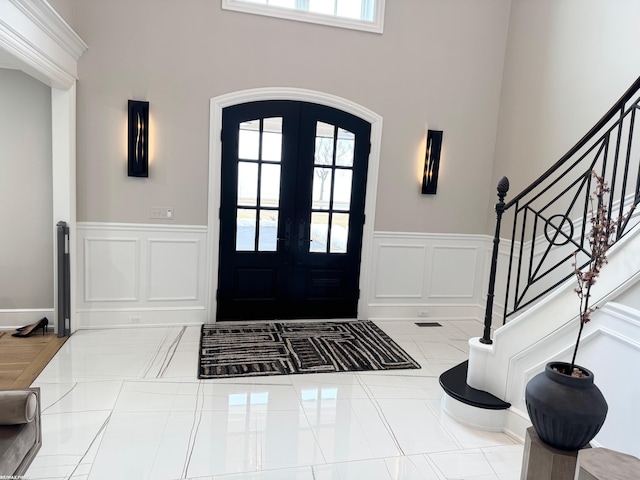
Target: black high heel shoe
(22, 329)
(28, 331)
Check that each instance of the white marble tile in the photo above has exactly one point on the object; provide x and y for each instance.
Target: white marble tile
(150, 396)
(303, 473)
(468, 437)
(367, 469)
(97, 363)
(163, 422)
(41, 468)
(442, 352)
(250, 438)
(466, 464)
(222, 397)
(413, 467)
(351, 429)
(144, 445)
(388, 386)
(78, 397)
(328, 385)
(70, 433)
(505, 460)
(183, 365)
(415, 427)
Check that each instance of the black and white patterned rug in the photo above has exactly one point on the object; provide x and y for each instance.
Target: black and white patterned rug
(283, 348)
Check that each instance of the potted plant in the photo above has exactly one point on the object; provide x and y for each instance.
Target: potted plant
(566, 408)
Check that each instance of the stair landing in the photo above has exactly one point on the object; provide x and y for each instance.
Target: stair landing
(454, 383)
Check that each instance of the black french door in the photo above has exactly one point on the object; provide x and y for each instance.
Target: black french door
(292, 211)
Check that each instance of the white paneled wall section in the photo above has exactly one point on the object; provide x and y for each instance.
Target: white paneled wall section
(156, 275)
(141, 274)
(428, 276)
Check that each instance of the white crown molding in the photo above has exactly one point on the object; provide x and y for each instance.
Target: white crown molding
(39, 42)
(48, 20)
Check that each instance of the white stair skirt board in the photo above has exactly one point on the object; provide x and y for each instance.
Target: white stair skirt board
(511, 421)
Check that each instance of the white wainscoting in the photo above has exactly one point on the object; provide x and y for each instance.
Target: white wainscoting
(131, 274)
(428, 276)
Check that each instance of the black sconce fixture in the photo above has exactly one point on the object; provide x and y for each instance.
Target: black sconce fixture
(431, 162)
(138, 164)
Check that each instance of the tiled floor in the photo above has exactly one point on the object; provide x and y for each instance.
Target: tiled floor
(126, 404)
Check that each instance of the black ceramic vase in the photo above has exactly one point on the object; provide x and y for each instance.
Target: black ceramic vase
(566, 412)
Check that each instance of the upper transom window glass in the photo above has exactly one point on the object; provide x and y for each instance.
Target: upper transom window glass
(367, 15)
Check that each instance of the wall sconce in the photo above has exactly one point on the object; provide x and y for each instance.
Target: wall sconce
(431, 162)
(138, 162)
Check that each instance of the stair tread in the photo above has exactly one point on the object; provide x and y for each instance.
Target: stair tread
(454, 383)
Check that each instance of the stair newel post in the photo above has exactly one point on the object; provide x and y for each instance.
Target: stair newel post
(503, 188)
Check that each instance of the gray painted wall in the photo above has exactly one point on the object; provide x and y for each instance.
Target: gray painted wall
(26, 237)
(438, 63)
(567, 63)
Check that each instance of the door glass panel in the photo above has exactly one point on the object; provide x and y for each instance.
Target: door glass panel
(249, 140)
(345, 148)
(247, 184)
(272, 139)
(325, 7)
(339, 232)
(324, 144)
(321, 188)
(268, 233)
(349, 9)
(246, 230)
(342, 189)
(319, 232)
(270, 185)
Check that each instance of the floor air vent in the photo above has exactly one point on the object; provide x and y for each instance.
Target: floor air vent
(428, 324)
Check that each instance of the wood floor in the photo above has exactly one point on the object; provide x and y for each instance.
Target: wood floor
(22, 359)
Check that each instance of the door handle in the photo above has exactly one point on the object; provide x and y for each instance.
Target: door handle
(302, 242)
(287, 234)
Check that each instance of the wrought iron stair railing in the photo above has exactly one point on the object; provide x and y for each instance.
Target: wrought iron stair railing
(549, 220)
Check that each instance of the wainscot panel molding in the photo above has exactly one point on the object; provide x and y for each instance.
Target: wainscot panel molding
(141, 274)
(428, 276)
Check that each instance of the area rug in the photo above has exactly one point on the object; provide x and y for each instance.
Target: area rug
(284, 348)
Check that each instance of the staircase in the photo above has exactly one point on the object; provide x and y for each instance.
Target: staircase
(532, 310)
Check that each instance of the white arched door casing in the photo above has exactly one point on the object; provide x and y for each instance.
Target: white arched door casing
(217, 104)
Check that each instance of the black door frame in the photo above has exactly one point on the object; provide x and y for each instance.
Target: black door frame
(217, 104)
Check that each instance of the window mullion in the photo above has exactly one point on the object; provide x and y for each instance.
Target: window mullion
(368, 9)
(302, 5)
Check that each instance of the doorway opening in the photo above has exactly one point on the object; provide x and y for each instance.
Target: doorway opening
(292, 228)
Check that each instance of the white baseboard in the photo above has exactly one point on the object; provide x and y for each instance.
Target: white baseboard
(149, 317)
(432, 312)
(14, 318)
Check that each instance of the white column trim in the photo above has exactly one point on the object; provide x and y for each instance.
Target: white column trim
(40, 43)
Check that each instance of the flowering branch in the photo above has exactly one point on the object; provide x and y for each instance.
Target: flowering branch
(601, 238)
